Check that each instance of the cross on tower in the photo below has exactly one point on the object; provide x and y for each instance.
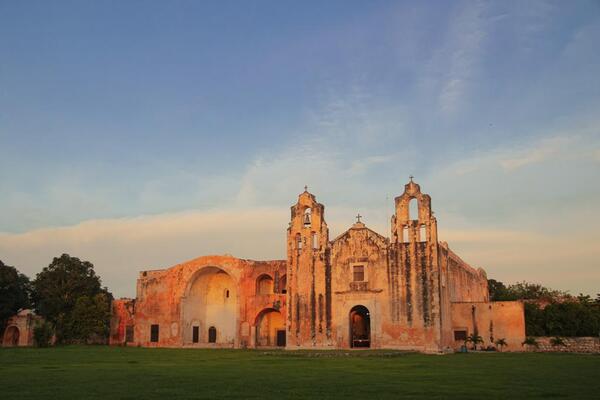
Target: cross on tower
(411, 178)
(358, 216)
(306, 188)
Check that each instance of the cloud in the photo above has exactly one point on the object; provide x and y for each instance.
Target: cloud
(462, 53)
(363, 164)
(541, 152)
(119, 248)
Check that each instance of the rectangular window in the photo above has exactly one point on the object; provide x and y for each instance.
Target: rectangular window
(195, 334)
(129, 334)
(460, 335)
(315, 241)
(423, 233)
(359, 273)
(154, 333)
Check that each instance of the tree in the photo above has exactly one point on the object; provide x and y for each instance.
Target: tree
(56, 293)
(88, 322)
(500, 343)
(534, 320)
(475, 339)
(498, 291)
(530, 342)
(14, 293)
(42, 334)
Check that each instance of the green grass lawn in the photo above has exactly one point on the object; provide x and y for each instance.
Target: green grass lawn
(136, 373)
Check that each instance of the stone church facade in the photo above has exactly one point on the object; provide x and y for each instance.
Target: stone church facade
(359, 290)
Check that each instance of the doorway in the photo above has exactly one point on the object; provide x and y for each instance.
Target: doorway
(360, 327)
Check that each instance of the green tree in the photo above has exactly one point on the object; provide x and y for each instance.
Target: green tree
(14, 293)
(535, 291)
(89, 319)
(56, 291)
(534, 320)
(530, 342)
(498, 291)
(475, 339)
(42, 334)
(500, 343)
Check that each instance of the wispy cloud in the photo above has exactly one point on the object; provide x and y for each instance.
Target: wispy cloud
(363, 164)
(544, 150)
(462, 53)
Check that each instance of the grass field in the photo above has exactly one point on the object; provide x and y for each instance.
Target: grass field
(99, 372)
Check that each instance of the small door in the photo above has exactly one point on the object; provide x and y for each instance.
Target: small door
(281, 338)
(195, 334)
(212, 335)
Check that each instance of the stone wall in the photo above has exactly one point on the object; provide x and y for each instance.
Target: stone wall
(572, 345)
(492, 321)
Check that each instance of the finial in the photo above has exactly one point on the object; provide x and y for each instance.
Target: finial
(358, 216)
(411, 178)
(306, 188)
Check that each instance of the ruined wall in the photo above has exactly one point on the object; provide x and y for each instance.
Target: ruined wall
(19, 329)
(122, 319)
(465, 283)
(571, 345)
(492, 321)
(180, 298)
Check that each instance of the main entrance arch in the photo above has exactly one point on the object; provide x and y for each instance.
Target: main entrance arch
(210, 308)
(270, 328)
(11, 336)
(360, 327)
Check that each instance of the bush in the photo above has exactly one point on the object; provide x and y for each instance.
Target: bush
(42, 334)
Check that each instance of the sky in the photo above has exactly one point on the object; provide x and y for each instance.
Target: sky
(141, 134)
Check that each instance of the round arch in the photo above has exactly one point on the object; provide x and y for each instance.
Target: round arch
(210, 308)
(360, 327)
(270, 328)
(11, 336)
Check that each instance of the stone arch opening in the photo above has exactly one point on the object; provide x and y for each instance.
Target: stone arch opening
(11, 336)
(264, 284)
(270, 328)
(413, 209)
(210, 302)
(360, 327)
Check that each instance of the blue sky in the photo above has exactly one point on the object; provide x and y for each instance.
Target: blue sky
(179, 116)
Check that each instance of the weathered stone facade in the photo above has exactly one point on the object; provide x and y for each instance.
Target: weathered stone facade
(19, 329)
(359, 290)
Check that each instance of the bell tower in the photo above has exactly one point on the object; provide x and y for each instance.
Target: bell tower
(309, 275)
(414, 252)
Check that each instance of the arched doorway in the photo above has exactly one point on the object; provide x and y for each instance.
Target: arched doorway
(360, 327)
(210, 308)
(270, 328)
(11, 336)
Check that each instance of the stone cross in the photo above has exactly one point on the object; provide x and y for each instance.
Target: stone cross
(358, 218)
(411, 178)
(306, 188)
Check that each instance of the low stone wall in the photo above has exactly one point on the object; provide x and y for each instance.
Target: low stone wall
(572, 345)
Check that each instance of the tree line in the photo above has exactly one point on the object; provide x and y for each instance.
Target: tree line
(550, 312)
(67, 294)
